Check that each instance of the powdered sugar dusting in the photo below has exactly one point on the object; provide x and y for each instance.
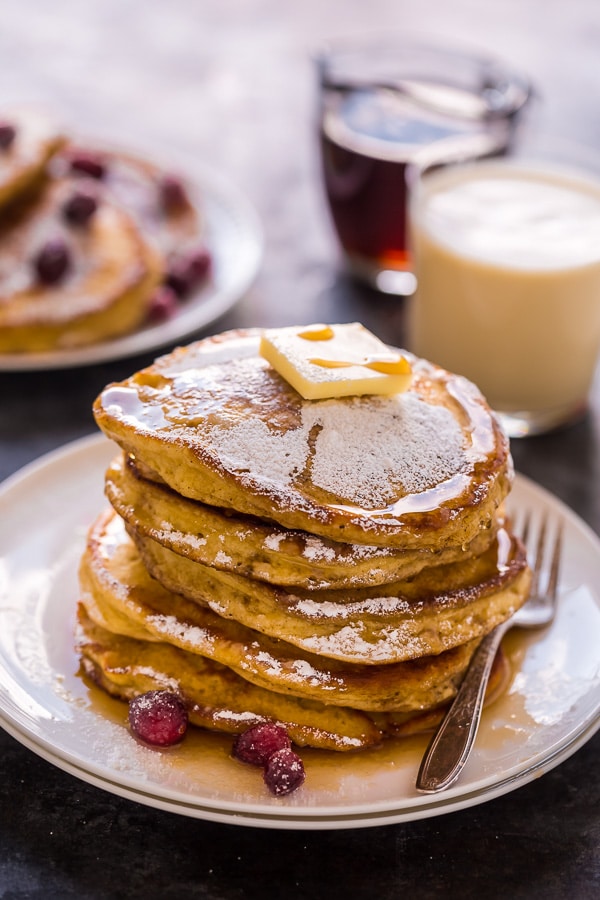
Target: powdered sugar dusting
(272, 541)
(179, 632)
(365, 452)
(349, 641)
(316, 550)
(251, 447)
(369, 606)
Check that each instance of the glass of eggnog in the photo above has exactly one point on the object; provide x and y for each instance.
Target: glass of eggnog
(507, 260)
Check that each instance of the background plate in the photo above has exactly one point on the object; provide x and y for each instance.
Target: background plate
(550, 709)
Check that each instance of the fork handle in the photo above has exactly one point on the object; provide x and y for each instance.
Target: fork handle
(448, 751)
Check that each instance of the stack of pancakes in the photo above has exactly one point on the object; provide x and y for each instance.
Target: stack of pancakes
(117, 261)
(329, 564)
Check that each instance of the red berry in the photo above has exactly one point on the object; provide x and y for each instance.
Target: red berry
(88, 163)
(258, 743)
(199, 263)
(163, 304)
(80, 207)
(173, 196)
(52, 261)
(158, 717)
(7, 134)
(187, 270)
(284, 772)
(177, 277)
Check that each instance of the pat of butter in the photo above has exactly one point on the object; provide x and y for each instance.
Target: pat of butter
(323, 361)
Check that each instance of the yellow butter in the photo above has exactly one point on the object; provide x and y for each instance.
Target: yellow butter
(324, 361)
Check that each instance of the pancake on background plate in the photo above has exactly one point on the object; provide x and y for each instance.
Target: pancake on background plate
(110, 272)
(94, 244)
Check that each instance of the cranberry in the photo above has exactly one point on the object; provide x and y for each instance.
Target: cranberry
(163, 304)
(158, 717)
(80, 207)
(52, 261)
(258, 743)
(284, 772)
(199, 262)
(173, 196)
(85, 162)
(8, 133)
(187, 271)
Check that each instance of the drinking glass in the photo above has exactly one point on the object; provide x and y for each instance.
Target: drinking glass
(507, 259)
(387, 105)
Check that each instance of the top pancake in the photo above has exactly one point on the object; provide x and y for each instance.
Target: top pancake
(216, 423)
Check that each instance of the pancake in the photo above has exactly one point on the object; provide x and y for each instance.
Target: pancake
(112, 274)
(216, 698)
(263, 550)
(219, 700)
(120, 596)
(137, 185)
(146, 235)
(24, 161)
(440, 608)
(425, 469)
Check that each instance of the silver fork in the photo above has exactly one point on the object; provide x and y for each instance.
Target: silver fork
(450, 747)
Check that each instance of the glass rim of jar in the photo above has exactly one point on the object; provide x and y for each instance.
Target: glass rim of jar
(503, 90)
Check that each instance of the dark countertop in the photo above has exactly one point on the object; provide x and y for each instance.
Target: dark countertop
(231, 84)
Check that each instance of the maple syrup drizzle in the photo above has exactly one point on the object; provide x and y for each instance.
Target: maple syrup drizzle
(391, 366)
(423, 502)
(386, 365)
(322, 333)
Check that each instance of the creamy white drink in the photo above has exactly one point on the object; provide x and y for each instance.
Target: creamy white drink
(508, 267)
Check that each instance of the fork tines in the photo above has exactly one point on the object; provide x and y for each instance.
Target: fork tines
(542, 545)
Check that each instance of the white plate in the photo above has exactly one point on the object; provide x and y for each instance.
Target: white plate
(551, 708)
(234, 237)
